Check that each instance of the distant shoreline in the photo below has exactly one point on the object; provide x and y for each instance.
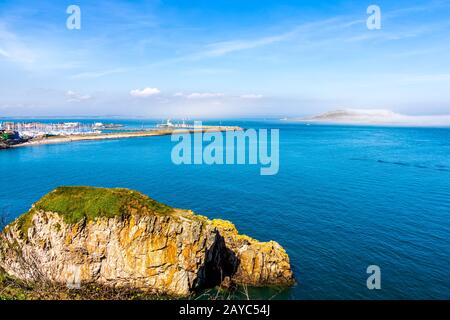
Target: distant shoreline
(119, 135)
(369, 124)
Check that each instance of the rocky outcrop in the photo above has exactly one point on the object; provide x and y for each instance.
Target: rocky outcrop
(3, 145)
(121, 238)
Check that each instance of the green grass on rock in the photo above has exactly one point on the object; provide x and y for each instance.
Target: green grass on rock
(77, 203)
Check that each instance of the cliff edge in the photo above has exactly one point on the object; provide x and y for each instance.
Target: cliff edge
(123, 239)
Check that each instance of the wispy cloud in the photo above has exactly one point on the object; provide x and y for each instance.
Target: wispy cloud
(144, 93)
(252, 96)
(211, 95)
(290, 57)
(420, 78)
(199, 95)
(4, 53)
(321, 33)
(326, 31)
(13, 48)
(72, 96)
(430, 6)
(225, 47)
(204, 95)
(210, 71)
(98, 74)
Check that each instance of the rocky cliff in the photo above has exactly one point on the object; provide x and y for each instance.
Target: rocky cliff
(121, 238)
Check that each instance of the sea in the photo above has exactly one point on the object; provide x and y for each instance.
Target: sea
(344, 198)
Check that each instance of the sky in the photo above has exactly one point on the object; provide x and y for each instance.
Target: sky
(223, 59)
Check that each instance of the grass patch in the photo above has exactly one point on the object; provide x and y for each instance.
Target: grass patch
(76, 203)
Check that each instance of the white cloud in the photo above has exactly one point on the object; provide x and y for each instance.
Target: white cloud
(252, 96)
(199, 95)
(73, 96)
(204, 95)
(146, 92)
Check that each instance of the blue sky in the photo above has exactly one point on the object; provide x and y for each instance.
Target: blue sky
(218, 58)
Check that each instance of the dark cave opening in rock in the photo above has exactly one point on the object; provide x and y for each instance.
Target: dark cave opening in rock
(220, 262)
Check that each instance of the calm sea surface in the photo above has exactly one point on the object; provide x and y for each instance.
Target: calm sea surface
(345, 197)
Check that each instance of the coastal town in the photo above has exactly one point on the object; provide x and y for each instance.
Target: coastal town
(17, 134)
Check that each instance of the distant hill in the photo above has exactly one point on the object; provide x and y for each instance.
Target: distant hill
(376, 117)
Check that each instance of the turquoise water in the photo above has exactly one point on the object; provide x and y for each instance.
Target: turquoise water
(344, 198)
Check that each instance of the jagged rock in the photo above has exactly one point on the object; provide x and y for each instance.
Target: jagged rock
(121, 238)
